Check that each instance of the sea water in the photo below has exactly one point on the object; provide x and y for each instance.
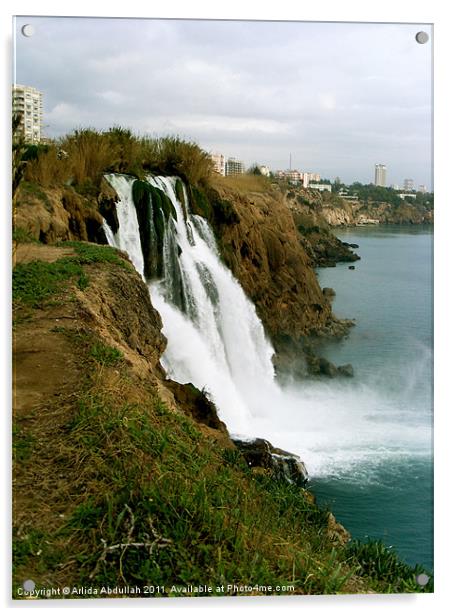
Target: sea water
(389, 293)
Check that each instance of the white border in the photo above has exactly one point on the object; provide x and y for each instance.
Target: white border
(414, 11)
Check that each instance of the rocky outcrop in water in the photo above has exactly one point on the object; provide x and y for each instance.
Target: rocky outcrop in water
(282, 465)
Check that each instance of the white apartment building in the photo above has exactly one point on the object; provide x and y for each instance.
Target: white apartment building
(320, 187)
(294, 176)
(380, 175)
(27, 102)
(306, 178)
(234, 167)
(219, 163)
(408, 184)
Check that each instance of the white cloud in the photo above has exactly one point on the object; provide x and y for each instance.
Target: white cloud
(115, 98)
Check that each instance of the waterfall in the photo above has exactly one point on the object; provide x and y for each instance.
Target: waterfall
(215, 339)
(217, 342)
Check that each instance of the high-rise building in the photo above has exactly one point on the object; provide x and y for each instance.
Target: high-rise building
(234, 167)
(219, 163)
(27, 103)
(380, 175)
(408, 184)
(422, 188)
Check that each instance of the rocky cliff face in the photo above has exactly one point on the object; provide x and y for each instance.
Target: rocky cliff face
(330, 210)
(261, 236)
(262, 247)
(58, 214)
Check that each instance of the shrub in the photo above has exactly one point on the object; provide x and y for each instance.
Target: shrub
(381, 563)
(91, 154)
(82, 157)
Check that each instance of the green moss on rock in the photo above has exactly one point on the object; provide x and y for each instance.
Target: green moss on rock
(141, 194)
(200, 204)
(154, 208)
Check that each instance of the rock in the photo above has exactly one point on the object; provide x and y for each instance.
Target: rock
(336, 532)
(328, 292)
(346, 370)
(284, 466)
(107, 200)
(326, 367)
(354, 245)
(352, 267)
(196, 403)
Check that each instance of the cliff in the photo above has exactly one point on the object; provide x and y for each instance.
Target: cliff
(116, 480)
(330, 210)
(121, 477)
(260, 235)
(262, 248)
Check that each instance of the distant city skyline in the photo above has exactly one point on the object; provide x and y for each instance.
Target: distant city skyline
(257, 91)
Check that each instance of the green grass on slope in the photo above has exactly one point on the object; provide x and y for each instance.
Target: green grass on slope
(116, 489)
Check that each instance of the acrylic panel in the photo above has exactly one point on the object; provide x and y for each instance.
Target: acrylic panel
(222, 308)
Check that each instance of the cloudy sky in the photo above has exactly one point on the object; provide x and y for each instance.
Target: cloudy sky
(337, 97)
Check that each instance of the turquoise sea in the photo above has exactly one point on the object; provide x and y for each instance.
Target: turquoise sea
(390, 295)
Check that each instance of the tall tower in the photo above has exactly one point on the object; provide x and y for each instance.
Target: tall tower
(380, 175)
(27, 102)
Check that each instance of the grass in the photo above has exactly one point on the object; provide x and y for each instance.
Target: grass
(244, 183)
(35, 188)
(22, 236)
(106, 355)
(178, 513)
(22, 444)
(382, 564)
(88, 253)
(83, 156)
(36, 282)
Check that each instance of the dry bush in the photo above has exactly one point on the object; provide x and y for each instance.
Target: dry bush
(90, 154)
(48, 169)
(175, 156)
(82, 157)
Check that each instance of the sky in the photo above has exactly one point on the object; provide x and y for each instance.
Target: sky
(336, 97)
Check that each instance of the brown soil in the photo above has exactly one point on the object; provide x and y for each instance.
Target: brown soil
(24, 253)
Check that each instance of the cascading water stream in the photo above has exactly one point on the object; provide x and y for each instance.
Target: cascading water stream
(217, 342)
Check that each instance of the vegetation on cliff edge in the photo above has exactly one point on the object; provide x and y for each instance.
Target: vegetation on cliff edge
(112, 487)
(81, 159)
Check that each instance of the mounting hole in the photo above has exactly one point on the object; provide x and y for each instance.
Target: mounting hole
(28, 585)
(422, 579)
(421, 37)
(28, 30)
